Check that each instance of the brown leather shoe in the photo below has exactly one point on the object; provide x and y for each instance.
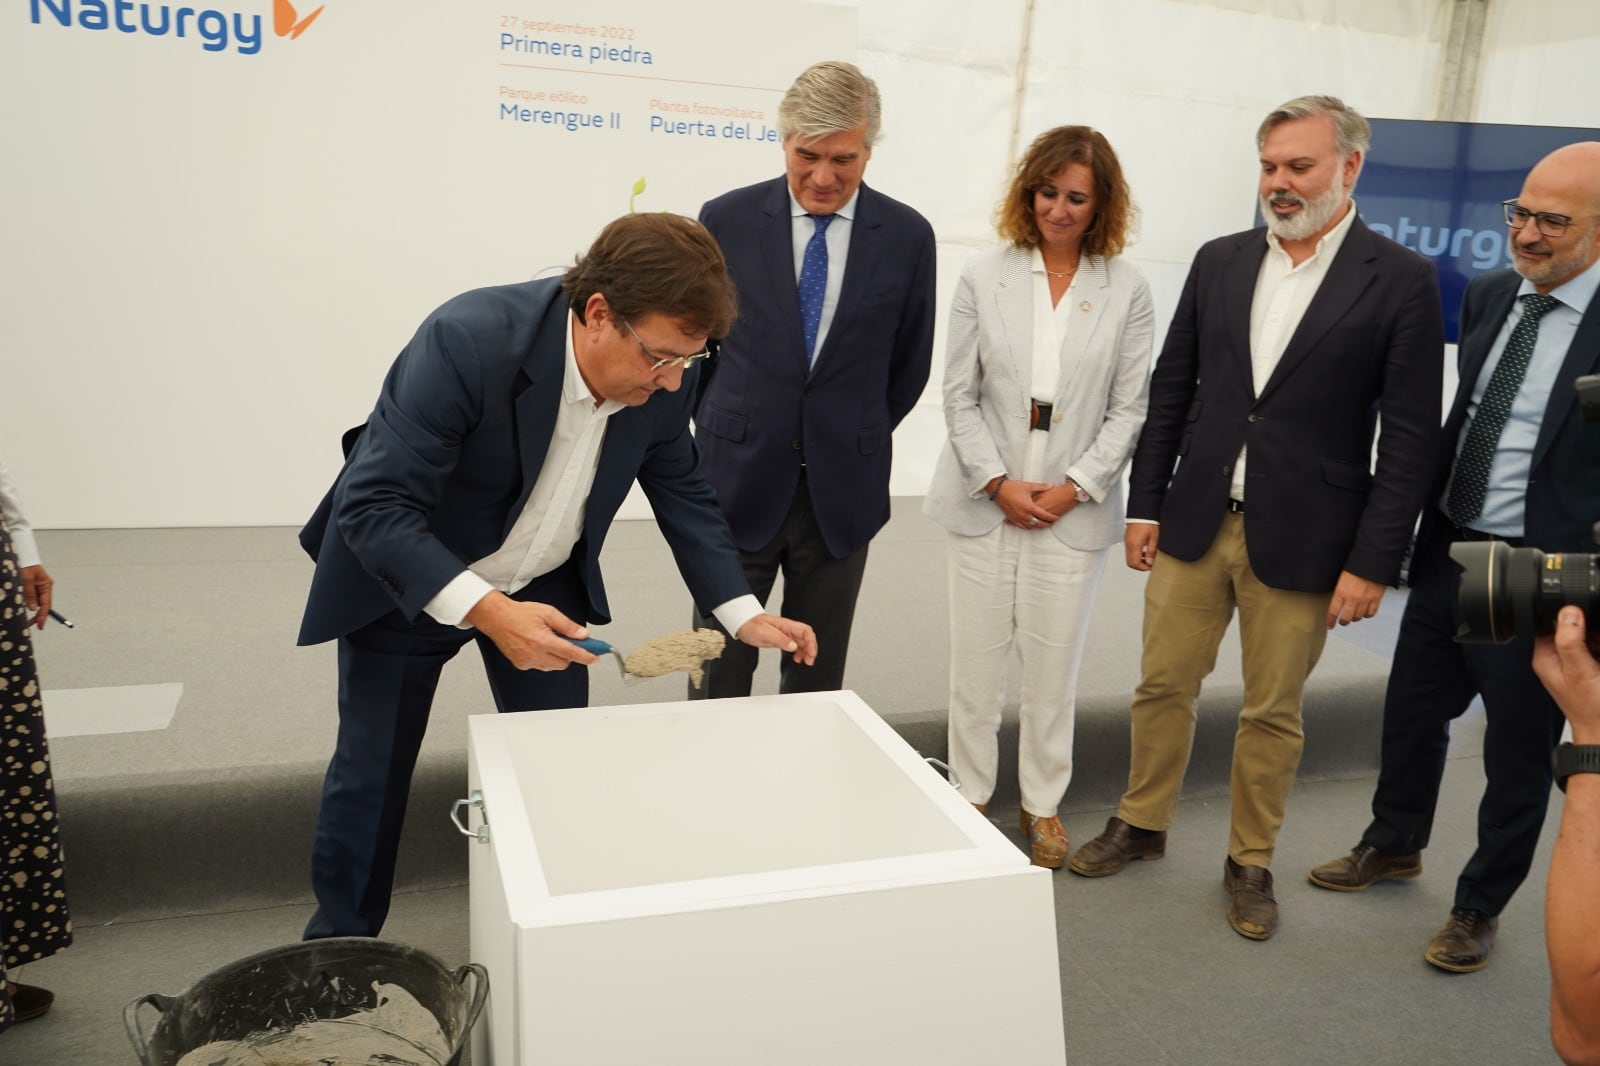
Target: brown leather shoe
(1252, 909)
(28, 1002)
(1047, 840)
(1115, 848)
(1462, 946)
(1364, 867)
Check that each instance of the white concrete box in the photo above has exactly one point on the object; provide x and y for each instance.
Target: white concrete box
(768, 880)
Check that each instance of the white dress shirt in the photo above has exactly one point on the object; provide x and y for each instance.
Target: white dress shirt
(1283, 292)
(1049, 345)
(1050, 324)
(838, 241)
(551, 522)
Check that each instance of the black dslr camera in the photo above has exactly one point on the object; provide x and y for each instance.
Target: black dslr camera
(1510, 592)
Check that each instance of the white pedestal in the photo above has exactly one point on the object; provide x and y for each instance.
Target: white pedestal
(767, 880)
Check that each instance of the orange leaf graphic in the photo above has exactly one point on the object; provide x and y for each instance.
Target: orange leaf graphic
(284, 16)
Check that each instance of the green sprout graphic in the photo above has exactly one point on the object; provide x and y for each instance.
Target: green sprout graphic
(638, 187)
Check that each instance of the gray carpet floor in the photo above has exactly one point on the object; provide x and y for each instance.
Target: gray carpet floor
(1150, 970)
(187, 843)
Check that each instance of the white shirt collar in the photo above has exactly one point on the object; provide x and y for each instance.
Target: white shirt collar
(847, 212)
(573, 388)
(1577, 293)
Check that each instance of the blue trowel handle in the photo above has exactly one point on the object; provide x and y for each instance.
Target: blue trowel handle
(592, 645)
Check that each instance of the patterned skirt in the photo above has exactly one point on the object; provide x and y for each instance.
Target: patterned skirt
(34, 923)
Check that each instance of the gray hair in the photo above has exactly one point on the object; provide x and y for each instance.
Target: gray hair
(827, 98)
(1351, 133)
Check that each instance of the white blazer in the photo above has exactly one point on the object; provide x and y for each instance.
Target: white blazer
(1099, 403)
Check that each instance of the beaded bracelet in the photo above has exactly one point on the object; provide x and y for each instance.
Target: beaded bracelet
(997, 485)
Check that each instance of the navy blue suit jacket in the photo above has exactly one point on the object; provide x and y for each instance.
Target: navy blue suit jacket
(453, 448)
(1372, 337)
(1563, 497)
(763, 411)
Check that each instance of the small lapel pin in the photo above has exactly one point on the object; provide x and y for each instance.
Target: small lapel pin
(1085, 306)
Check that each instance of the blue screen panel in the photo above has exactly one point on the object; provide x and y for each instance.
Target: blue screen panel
(1436, 187)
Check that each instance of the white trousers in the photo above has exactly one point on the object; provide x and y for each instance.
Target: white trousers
(1022, 587)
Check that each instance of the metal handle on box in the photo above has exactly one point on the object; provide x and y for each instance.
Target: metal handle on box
(481, 834)
(136, 1033)
(480, 992)
(949, 771)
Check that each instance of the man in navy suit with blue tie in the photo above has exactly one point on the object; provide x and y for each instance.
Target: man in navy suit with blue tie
(831, 350)
(473, 506)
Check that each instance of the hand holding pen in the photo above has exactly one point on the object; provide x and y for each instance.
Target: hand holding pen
(36, 588)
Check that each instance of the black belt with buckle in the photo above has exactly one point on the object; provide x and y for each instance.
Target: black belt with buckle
(1468, 533)
(1039, 416)
(1236, 506)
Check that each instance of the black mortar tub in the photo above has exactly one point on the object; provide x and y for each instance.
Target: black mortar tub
(315, 979)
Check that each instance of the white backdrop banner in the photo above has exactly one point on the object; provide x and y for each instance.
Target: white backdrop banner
(223, 224)
(225, 221)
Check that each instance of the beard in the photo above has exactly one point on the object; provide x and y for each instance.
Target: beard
(1558, 267)
(1312, 216)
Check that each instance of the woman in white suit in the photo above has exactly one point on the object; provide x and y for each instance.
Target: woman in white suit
(1045, 384)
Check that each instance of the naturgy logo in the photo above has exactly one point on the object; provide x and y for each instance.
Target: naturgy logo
(216, 30)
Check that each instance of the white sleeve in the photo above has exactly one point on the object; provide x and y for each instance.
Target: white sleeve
(11, 510)
(736, 612)
(453, 602)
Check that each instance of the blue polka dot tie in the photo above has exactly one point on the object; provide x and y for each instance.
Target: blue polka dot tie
(1470, 481)
(814, 284)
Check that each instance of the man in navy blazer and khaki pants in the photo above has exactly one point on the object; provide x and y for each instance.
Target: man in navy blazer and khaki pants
(473, 506)
(831, 350)
(1254, 474)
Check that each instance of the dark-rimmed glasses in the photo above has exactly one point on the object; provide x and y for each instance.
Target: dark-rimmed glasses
(668, 362)
(1548, 223)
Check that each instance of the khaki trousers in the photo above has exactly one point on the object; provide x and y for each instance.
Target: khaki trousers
(1188, 606)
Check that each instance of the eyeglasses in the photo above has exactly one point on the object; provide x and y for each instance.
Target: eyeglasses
(669, 362)
(1549, 224)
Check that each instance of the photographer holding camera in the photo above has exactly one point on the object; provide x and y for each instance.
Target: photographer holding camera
(1568, 668)
(1516, 465)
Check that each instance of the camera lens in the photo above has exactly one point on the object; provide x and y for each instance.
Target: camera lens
(1511, 592)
